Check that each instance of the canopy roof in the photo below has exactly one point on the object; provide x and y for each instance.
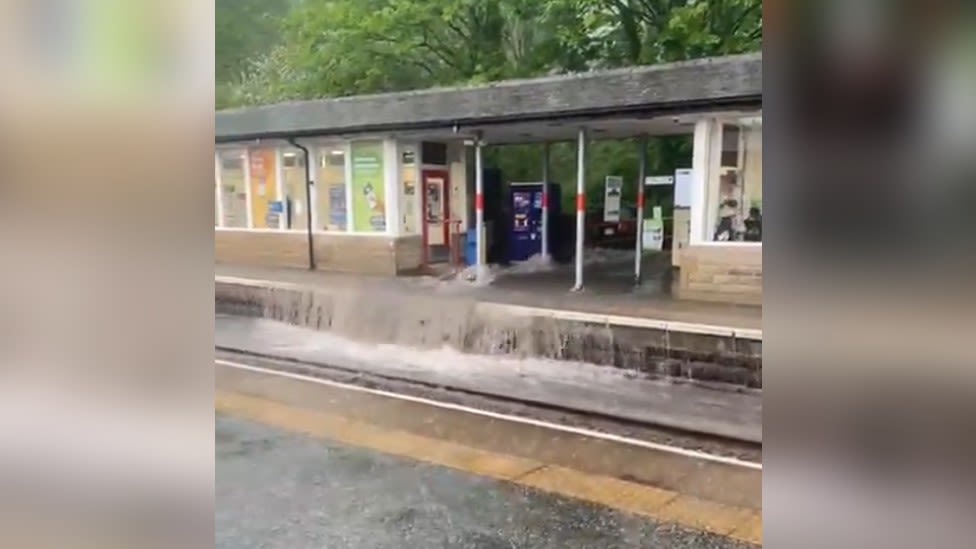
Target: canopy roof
(648, 92)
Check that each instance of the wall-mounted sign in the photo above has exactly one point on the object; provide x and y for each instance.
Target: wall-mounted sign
(613, 189)
(659, 180)
(682, 188)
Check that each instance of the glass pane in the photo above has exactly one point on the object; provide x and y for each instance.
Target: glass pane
(331, 192)
(264, 189)
(368, 189)
(409, 199)
(233, 189)
(294, 202)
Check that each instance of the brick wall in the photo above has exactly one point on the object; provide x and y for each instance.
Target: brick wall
(731, 274)
(341, 253)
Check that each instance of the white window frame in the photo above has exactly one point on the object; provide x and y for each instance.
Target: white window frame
(705, 157)
(391, 177)
(242, 150)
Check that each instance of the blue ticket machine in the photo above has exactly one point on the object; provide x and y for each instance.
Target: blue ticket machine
(526, 201)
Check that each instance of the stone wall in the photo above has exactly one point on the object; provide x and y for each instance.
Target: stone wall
(349, 253)
(731, 274)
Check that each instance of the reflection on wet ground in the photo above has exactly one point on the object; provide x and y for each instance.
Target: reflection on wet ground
(281, 490)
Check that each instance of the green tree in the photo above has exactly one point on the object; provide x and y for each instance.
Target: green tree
(343, 47)
(244, 30)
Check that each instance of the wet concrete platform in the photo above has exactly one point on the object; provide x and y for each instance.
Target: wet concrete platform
(302, 464)
(280, 490)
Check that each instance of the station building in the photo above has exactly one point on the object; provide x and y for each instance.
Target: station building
(377, 184)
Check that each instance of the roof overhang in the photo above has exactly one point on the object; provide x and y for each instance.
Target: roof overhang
(641, 93)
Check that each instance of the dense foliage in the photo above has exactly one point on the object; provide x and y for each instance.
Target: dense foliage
(276, 50)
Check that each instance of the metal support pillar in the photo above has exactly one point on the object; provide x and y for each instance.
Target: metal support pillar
(580, 206)
(479, 209)
(545, 201)
(641, 174)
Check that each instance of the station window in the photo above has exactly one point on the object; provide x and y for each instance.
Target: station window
(294, 204)
(331, 209)
(232, 191)
(368, 189)
(263, 173)
(409, 199)
(735, 183)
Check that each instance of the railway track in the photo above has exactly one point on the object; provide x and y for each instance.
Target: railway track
(563, 418)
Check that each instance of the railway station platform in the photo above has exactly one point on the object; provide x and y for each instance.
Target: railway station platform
(526, 311)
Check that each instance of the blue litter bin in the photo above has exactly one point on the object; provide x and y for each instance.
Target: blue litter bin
(471, 247)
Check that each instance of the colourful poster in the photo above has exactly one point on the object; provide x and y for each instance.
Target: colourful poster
(263, 187)
(368, 204)
(337, 206)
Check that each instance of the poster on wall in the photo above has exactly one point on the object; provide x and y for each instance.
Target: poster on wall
(263, 185)
(337, 206)
(368, 202)
(613, 189)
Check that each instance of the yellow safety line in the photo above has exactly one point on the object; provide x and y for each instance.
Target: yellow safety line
(661, 505)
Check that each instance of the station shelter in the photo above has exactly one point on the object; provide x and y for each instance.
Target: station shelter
(381, 184)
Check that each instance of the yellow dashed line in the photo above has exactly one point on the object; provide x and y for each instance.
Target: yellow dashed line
(705, 515)
(399, 443)
(750, 531)
(656, 503)
(609, 491)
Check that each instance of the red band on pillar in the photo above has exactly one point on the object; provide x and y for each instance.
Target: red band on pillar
(545, 200)
(479, 201)
(580, 202)
(640, 199)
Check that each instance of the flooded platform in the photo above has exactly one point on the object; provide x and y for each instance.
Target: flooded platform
(609, 290)
(526, 310)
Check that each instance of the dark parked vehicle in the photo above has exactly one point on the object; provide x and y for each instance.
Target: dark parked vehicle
(612, 234)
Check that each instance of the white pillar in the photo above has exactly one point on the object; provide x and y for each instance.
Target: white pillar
(580, 206)
(641, 174)
(479, 210)
(545, 201)
(702, 156)
(391, 186)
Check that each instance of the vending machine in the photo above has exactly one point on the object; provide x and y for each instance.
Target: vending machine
(526, 202)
